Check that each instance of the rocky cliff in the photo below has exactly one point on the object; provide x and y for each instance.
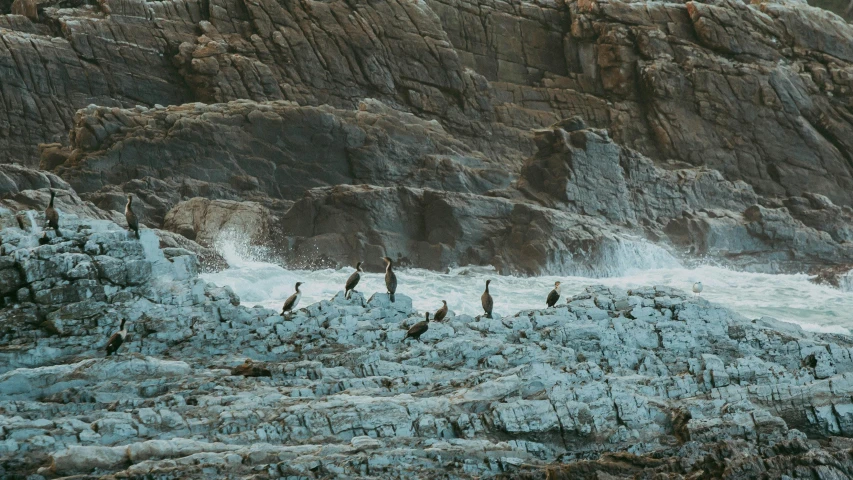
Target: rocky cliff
(277, 103)
(609, 384)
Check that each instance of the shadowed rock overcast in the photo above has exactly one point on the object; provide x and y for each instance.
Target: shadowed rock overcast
(538, 138)
(747, 108)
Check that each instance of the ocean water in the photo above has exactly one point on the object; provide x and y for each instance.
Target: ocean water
(790, 298)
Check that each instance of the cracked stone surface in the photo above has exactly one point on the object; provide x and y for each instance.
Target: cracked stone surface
(610, 381)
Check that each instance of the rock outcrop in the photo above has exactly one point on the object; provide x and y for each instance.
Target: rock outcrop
(612, 382)
(759, 92)
(580, 203)
(266, 102)
(264, 152)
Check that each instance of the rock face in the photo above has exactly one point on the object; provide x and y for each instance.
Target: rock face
(651, 378)
(426, 228)
(265, 152)
(713, 108)
(759, 92)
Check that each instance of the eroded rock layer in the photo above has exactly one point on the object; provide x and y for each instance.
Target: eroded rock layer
(265, 101)
(649, 377)
(761, 92)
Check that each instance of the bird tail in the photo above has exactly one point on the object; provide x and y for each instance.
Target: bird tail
(58, 233)
(136, 230)
(348, 294)
(392, 298)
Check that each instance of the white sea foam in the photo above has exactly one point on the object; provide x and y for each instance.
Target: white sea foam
(790, 298)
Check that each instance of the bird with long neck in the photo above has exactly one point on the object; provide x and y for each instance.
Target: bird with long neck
(554, 295)
(390, 278)
(52, 216)
(441, 312)
(418, 329)
(487, 301)
(132, 220)
(117, 339)
(292, 301)
(353, 280)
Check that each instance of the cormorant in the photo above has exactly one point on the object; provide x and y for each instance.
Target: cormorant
(441, 312)
(132, 221)
(418, 329)
(487, 301)
(117, 339)
(292, 300)
(353, 280)
(52, 216)
(390, 278)
(554, 295)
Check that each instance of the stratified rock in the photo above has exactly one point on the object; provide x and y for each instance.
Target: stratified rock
(425, 228)
(264, 152)
(583, 171)
(649, 381)
(759, 92)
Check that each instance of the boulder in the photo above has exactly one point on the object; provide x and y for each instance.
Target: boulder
(205, 220)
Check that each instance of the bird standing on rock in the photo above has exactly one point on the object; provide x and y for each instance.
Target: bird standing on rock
(441, 312)
(697, 289)
(132, 221)
(52, 216)
(487, 301)
(418, 329)
(390, 278)
(292, 301)
(353, 280)
(117, 339)
(554, 295)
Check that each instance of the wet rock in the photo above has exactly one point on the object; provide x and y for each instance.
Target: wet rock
(205, 220)
(651, 373)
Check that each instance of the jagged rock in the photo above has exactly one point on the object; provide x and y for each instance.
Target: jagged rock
(659, 76)
(583, 171)
(264, 152)
(433, 229)
(650, 375)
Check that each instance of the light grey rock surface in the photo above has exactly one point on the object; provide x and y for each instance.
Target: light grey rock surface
(650, 373)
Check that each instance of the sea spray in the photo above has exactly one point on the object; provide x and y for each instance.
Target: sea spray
(791, 298)
(31, 216)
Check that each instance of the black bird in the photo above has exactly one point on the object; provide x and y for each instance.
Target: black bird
(132, 221)
(52, 216)
(554, 295)
(487, 301)
(117, 339)
(353, 280)
(390, 278)
(248, 369)
(441, 312)
(418, 329)
(292, 300)
(43, 240)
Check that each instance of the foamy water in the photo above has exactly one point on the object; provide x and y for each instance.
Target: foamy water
(790, 298)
